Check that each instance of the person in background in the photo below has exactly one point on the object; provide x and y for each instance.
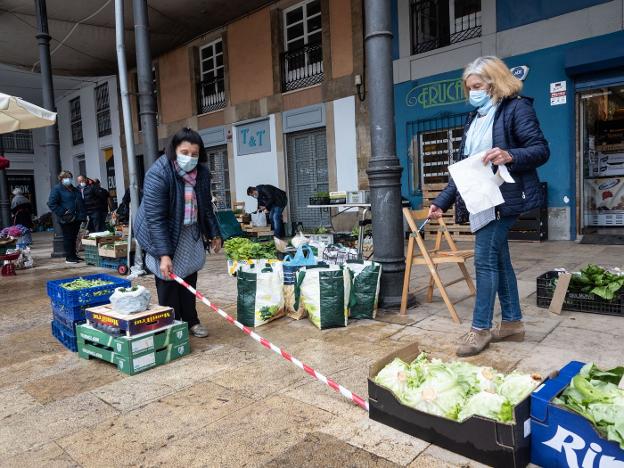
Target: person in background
(271, 200)
(21, 209)
(102, 204)
(87, 192)
(66, 202)
(506, 129)
(176, 221)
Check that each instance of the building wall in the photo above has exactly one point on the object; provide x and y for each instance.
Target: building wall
(341, 33)
(250, 64)
(425, 84)
(174, 86)
(93, 146)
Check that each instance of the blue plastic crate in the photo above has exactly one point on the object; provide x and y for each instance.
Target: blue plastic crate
(70, 315)
(85, 297)
(66, 336)
(561, 437)
(112, 263)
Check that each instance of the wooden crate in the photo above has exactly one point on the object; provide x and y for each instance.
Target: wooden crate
(116, 250)
(531, 226)
(98, 240)
(460, 232)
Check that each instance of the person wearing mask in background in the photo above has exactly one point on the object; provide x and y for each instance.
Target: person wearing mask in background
(506, 128)
(102, 205)
(271, 200)
(90, 197)
(21, 209)
(176, 222)
(66, 202)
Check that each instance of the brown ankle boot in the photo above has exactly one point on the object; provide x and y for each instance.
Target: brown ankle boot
(509, 331)
(473, 342)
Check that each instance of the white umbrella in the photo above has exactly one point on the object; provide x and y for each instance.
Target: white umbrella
(17, 114)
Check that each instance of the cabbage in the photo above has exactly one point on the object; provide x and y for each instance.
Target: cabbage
(516, 387)
(394, 377)
(489, 405)
(455, 390)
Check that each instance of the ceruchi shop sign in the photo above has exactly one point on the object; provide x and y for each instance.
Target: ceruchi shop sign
(445, 92)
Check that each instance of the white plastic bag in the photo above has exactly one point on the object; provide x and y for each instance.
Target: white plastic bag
(258, 219)
(130, 300)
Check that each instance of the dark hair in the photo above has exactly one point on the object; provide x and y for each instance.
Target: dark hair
(185, 134)
(251, 190)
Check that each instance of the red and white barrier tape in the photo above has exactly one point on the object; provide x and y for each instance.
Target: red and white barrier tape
(361, 402)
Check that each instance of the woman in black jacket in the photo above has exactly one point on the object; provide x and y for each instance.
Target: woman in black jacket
(506, 128)
(66, 202)
(174, 218)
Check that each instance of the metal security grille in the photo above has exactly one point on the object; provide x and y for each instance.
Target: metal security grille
(220, 173)
(19, 141)
(433, 144)
(439, 23)
(76, 121)
(102, 108)
(307, 174)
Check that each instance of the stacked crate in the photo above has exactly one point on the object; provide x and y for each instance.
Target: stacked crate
(68, 307)
(91, 246)
(133, 343)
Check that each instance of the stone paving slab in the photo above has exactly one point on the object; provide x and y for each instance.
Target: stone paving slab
(234, 403)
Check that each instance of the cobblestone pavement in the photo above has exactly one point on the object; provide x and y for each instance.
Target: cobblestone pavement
(233, 403)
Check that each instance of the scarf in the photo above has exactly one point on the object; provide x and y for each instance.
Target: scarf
(190, 198)
(479, 128)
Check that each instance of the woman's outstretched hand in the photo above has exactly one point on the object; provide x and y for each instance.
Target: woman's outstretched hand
(216, 244)
(497, 156)
(166, 266)
(434, 212)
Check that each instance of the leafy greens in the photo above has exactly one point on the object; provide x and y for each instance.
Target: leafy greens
(456, 390)
(596, 280)
(595, 395)
(240, 248)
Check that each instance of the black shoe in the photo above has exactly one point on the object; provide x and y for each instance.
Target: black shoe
(72, 260)
(79, 259)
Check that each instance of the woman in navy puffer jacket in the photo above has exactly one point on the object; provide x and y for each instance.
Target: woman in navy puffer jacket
(506, 128)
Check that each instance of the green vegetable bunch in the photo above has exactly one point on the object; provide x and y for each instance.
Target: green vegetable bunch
(240, 248)
(456, 390)
(125, 290)
(596, 280)
(81, 283)
(595, 395)
(266, 313)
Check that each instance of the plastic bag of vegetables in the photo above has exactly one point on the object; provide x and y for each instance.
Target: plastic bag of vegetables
(130, 300)
(260, 295)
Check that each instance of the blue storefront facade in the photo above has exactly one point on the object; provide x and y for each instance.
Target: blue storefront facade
(436, 102)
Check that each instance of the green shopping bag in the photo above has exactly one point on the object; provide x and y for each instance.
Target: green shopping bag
(324, 294)
(260, 295)
(365, 281)
(228, 225)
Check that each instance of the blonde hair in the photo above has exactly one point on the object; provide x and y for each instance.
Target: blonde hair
(495, 73)
(64, 173)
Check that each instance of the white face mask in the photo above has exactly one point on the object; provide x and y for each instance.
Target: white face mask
(67, 181)
(186, 163)
(83, 184)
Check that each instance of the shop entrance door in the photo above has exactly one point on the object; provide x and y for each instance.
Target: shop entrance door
(602, 160)
(307, 175)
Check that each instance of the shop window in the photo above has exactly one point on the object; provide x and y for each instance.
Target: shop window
(602, 139)
(76, 121)
(433, 144)
(439, 23)
(302, 61)
(220, 177)
(211, 85)
(102, 109)
(81, 166)
(19, 141)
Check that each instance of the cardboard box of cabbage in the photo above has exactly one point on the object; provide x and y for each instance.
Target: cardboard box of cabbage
(473, 411)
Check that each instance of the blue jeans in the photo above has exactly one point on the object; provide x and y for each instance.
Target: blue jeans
(275, 215)
(495, 274)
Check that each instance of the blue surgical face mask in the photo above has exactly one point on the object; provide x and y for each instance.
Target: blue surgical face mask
(67, 181)
(478, 97)
(186, 163)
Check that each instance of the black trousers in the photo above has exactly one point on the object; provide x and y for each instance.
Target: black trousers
(172, 294)
(70, 233)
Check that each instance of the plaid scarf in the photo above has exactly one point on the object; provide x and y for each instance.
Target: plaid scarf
(190, 198)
